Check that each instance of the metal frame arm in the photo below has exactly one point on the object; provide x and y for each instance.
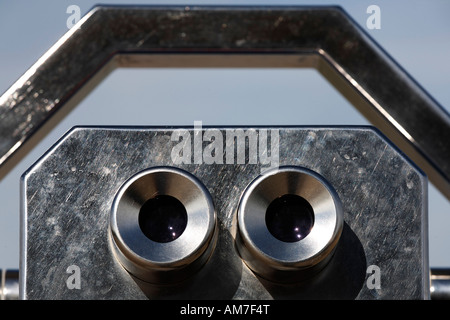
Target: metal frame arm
(325, 38)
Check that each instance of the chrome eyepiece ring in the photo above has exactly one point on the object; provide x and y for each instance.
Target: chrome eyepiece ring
(163, 225)
(289, 222)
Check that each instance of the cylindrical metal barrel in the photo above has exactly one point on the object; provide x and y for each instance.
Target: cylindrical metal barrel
(9, 287)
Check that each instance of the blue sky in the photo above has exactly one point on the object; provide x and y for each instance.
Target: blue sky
(415, 33)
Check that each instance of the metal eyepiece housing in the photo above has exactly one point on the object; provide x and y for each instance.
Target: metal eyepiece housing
(289, 223)
(163, 225)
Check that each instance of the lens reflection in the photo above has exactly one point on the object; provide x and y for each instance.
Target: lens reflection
(289, 218)
(162, 218)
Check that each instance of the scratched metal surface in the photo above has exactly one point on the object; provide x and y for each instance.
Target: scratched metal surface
(68, 193)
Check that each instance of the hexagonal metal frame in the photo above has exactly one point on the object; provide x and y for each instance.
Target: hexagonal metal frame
(325, 38)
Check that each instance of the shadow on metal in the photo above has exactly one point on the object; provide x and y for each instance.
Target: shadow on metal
(341, 279)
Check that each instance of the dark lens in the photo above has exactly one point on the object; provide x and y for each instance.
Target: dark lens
(289, 218)
(162, 218)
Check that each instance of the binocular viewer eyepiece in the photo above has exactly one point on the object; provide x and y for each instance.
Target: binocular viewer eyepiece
(289, 222)
(163, 224)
